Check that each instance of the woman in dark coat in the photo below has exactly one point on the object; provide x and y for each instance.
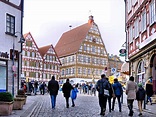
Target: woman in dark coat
(66, 89)
(140, 96)
(149, 91)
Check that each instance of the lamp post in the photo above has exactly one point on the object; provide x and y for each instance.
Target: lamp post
(22, 40)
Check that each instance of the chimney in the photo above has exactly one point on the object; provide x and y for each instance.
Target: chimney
(91, 20)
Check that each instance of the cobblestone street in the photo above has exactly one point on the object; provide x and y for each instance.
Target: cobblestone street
(86, 106)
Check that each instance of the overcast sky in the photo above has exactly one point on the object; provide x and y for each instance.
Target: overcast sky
(47, 20)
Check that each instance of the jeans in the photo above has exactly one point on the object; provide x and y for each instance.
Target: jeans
(53, 100)
(119, 102)
(102, 102)
(149, 98)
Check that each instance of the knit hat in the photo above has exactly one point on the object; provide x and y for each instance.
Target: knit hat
(140, 85)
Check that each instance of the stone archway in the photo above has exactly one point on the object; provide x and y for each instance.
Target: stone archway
(153, 71)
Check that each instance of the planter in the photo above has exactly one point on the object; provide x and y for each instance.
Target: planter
(6, 108)
(22, 96)
(18, 103)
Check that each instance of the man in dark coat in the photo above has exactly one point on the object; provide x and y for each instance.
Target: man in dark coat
(53, 88)
(67, 87)
(100, 86)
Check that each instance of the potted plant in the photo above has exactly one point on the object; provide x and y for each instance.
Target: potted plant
(18, 103)
(21, 94)
(6, 103)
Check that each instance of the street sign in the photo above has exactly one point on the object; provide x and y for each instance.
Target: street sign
(113, 70)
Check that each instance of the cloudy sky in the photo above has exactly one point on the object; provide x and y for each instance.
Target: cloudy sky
(47, 20)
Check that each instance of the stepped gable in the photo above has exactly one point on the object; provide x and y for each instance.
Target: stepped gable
(70, 41)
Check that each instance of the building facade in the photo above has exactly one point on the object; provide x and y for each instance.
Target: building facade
(11, 15)
(82, 53)
(39, 63)
(114, 66)
(141, 39)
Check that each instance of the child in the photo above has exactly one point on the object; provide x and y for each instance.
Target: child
(74, 94)
(140, 96)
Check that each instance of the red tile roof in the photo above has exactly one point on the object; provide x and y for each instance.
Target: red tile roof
(43, 50)
(70, 41)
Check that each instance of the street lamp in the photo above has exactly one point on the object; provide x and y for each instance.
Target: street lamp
(22, 40)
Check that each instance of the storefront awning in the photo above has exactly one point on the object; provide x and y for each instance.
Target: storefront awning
(125, 68)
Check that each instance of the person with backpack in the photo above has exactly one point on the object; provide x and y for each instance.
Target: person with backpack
(102, 85)
(118, 93)
(140, 96)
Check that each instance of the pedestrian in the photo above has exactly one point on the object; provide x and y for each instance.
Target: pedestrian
(140, 96)
(131, 88)
(42, 88)
(149, 91)
(53, 88)
(74, 94)
(35, 87)
(111, 94)
(66, 89)
(118, 93)
(102, 85)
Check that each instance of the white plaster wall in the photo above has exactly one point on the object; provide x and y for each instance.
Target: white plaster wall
(6, 41)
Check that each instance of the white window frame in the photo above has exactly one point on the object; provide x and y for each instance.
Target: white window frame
(130, 34)
(143, 21)
(152, 12)
(129, 5)
(136, 28)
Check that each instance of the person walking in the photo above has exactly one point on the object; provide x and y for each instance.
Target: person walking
(111, 94)
(74, 94)
(66, 89)
(131, 88)
(118, 93)
(100, 86)
(140, 96)
(149, 91)
(53, 88)
(35, 87)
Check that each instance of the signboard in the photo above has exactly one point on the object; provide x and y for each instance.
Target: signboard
(113, 70)
(122, 52)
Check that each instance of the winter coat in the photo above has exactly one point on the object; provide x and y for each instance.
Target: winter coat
(101, 85)
(66, 89)
(149, 89)
(117, 89)
(131, 88)
(53, 87)
(140, 94)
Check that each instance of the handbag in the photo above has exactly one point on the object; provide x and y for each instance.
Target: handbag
(106, 92)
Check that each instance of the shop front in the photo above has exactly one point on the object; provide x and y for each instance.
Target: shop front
(3, 71)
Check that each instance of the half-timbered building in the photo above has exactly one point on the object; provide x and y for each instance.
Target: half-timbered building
(39, 63)
(82, 53)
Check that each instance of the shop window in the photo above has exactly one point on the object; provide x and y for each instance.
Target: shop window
(2, 77)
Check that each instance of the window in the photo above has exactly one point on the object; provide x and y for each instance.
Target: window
(130, 34)
(129, 5)
(136, 28)
(10, 24)
(152, 12)
(143, 21)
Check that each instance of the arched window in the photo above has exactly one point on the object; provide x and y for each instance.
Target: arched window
(141, 72)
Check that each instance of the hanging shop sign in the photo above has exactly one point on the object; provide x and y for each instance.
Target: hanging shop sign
(4, 55)
(15, 54)
(122, 52)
